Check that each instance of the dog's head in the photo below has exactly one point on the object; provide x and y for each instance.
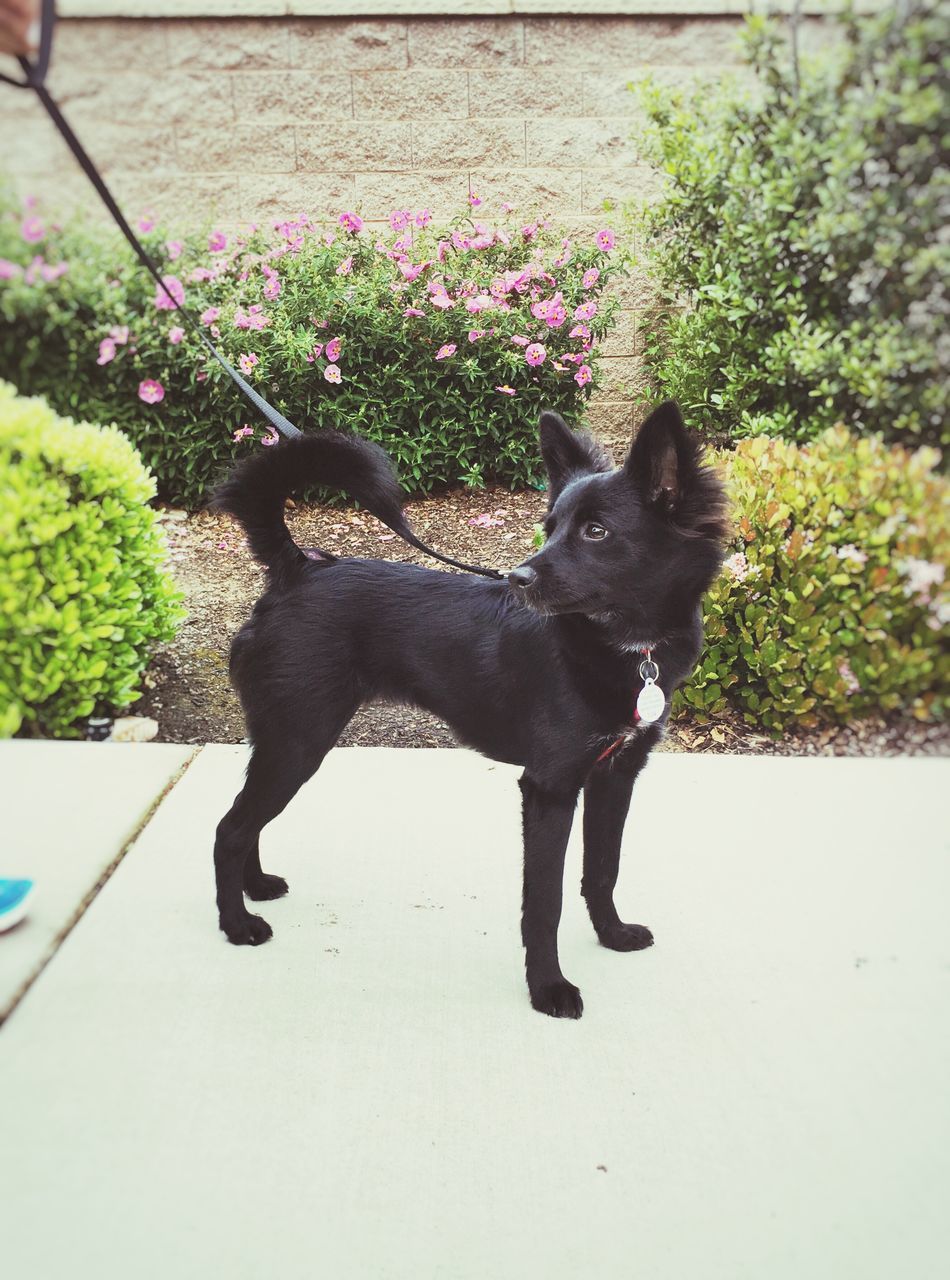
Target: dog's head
(640, 542)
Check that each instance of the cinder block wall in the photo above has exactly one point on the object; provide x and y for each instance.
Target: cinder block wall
(248, 119)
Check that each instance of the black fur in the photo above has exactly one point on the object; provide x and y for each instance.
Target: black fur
(540, 672)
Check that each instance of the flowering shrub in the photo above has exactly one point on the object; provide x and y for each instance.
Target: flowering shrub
(442, 347)
(806, 226)
(835, 600)
(83, 594)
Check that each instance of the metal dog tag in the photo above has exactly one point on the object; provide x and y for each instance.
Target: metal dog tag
(651, 702)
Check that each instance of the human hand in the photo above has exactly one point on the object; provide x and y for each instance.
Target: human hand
(19, 26)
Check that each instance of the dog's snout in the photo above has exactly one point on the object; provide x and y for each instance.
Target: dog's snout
(522, 577)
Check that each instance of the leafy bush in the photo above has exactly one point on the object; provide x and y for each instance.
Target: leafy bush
(442, 349)
(805, 223)
(834, 603)
(83, 595)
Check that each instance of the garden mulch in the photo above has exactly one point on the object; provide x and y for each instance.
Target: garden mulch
(189, 694)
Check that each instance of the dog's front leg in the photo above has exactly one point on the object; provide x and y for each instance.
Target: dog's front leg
(606, 801)
(547, 824)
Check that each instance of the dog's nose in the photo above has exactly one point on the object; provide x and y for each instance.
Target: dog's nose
(522, 577)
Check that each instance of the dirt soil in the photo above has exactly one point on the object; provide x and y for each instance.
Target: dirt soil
(187, 686)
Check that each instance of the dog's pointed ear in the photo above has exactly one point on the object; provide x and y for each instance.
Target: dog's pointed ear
(662, 460)
(567, 453)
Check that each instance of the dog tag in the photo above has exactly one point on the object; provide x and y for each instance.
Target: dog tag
(651, 702)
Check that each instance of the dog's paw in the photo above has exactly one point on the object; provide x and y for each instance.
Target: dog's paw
(626, 937)
(264, 888)
(558, 999)
(248, 931)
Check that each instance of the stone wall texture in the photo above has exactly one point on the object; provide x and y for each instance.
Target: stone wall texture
(250, 119)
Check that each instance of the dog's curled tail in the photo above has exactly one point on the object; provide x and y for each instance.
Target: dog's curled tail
(255, 492)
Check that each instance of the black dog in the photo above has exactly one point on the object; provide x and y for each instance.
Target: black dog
(543, 671)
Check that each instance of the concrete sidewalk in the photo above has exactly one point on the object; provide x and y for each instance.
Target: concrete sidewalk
(762, 1094)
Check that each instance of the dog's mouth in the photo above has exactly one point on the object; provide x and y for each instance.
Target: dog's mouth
(533, 596)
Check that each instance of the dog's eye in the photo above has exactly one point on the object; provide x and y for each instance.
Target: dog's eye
(594, 532)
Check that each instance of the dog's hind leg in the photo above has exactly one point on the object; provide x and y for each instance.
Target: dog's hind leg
(277, 771)
(606, 802)
(547, 825)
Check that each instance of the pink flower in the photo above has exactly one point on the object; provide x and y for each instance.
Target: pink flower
(34, 270)
(590, 278)
(580, 331)
(423, 218)
(174, 287)
(151, 391)
(175, 335)
(201, 375)
(586, 311)
(273, 438)
(217, 242)
(446, 350)
(119, 333)
(535, 354)
(317, 351)
(475, 334)
(461, 242)
(253, 318)
(605, 240)
(530, 231)
(413, 311)
(146, 222)
(583, 375)
(272, 288)
(174, 248)
(32, 230)
(345, 267)
(351, 222)
(507, 391)
(412, 272)
(242, 432)
(520, 340)
(106, 351)
(332, 373)
(50, 273)
(9, 270)
(247, 362)
(474, 200)
(333, 348)
(565, 255)
(480, 303)
(199, 274)
(209, 316)
(398, 219)
(442, 300)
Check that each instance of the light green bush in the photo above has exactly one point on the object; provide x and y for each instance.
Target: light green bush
(834, 602)
(83, 593)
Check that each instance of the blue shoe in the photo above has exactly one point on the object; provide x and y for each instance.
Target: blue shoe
(14, 901)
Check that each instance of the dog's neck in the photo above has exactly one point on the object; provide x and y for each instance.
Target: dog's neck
(622, 634)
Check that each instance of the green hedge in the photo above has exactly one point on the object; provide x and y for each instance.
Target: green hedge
(804, 224)
(83, 593)
(835, 600)
(429, 338)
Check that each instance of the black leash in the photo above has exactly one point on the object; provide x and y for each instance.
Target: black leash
(35, 79)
